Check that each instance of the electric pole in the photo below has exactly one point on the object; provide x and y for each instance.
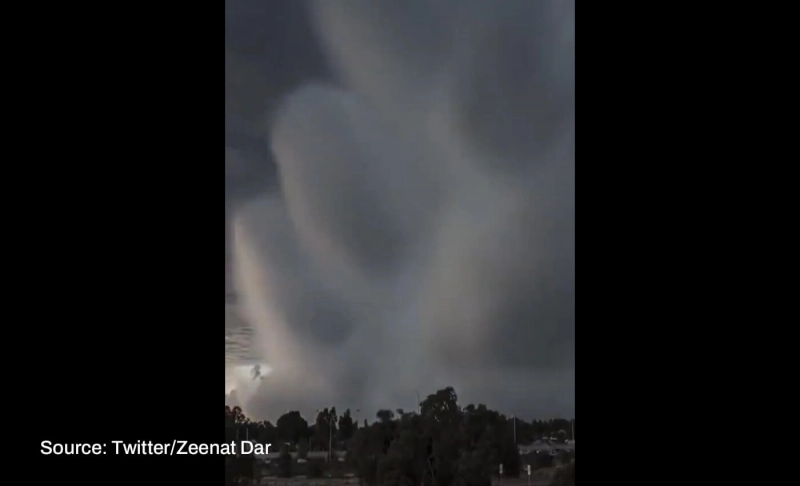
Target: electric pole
(515, 428)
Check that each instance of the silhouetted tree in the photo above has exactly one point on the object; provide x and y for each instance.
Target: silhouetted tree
(442, 445)
(346, 426)
(325, 428)
(292, 427)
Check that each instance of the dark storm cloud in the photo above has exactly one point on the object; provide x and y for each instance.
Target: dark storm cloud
(302, 297)
(424, 232)
(270, 48)
(345, 182)
(515, 78)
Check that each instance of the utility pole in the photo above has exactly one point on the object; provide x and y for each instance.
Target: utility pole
(573, 430)
(515, 428)
(419, 403)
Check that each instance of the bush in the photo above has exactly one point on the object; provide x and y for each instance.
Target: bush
(540, 460)
(564, 476)
(562, 458)
(368, 470)
(240, 468)
(510, 458)
(315, 469)
(285, 464)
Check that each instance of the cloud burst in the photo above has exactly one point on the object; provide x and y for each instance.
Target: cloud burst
(423, 233)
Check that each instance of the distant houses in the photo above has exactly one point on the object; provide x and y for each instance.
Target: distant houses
(547, 446)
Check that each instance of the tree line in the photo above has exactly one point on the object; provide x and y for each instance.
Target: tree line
(441, 444)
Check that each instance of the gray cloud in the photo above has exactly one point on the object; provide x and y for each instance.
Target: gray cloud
(346, 179)
(423, 232)
(299, 295)
(269, 49)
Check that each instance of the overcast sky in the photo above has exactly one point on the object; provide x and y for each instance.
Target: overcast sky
(400, 193)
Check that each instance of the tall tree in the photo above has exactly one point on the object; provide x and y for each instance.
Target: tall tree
(292, 427)
(346, 426)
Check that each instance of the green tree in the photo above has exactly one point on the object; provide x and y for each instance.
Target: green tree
(442, 445)
(265, 433)
(385, 416)
(291, 427)
(473, 470)
(368, 471)
(346, 426)
(399, 467)
(325, 428)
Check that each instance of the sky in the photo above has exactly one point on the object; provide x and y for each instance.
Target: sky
(400, 199)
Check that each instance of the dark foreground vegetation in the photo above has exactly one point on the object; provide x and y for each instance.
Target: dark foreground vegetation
(441, 444)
